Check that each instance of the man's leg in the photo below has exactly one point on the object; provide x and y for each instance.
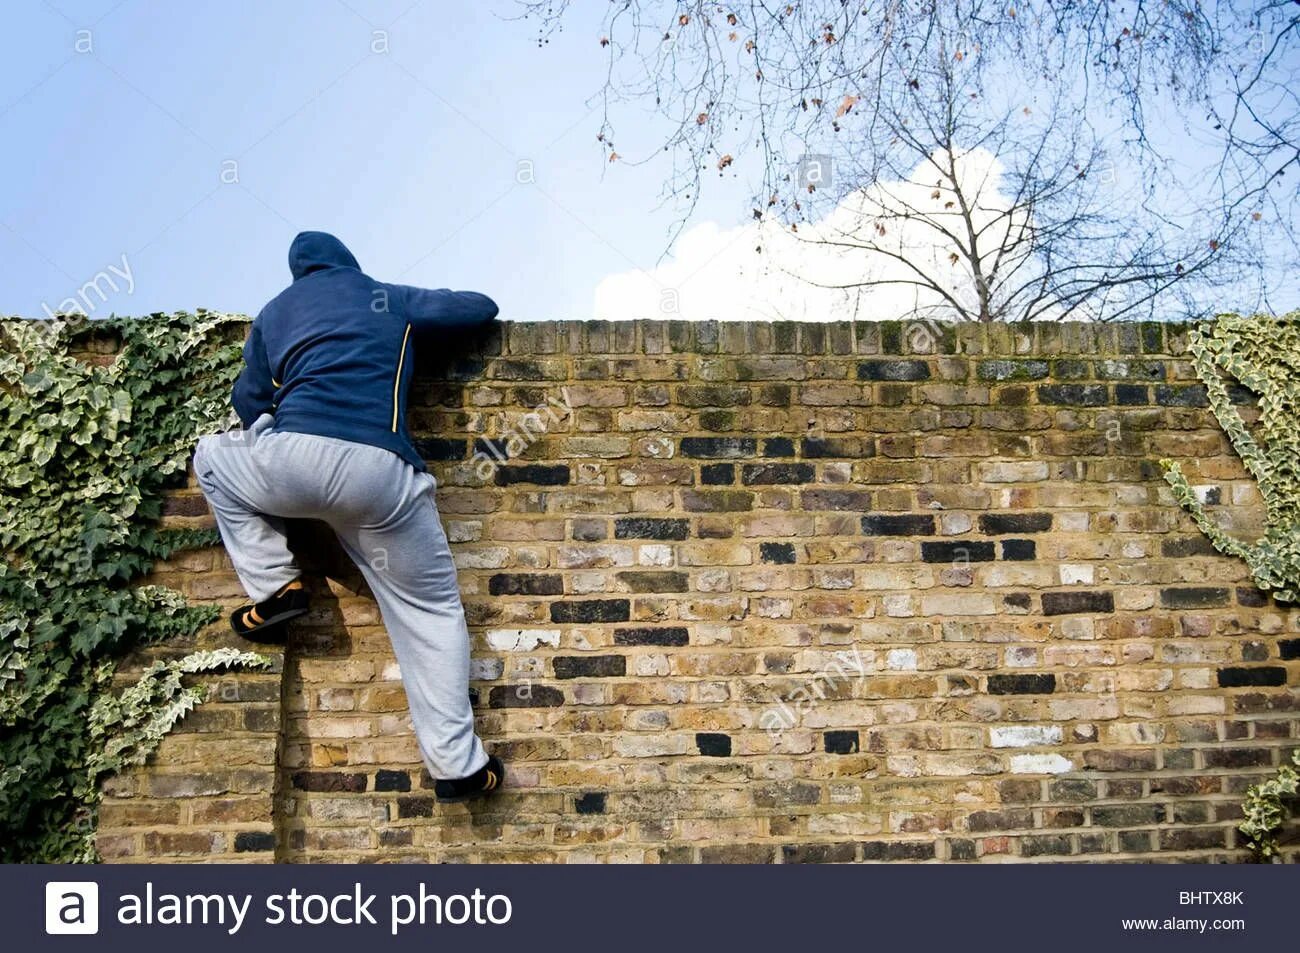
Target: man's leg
(228, 475)
(408, 564)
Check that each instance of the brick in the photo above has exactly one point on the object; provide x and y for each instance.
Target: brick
(589, 666)
(1198, 597)
(713, 744)
(752, 474)
(717, 474)
(592, 802)
(1019, 549)
(901, 525)
(542, 475)
(714, 447)
(328, 781)
(652, 635)
(253, 841)
(1043, 684)
(841, 742)
(893, 371)
(961, 551)
(1000, 524)
(1243, 676)
(780, 553)
(525, 696)
(1074, 603)
(641, 527)
(591, 610)
(526, 584)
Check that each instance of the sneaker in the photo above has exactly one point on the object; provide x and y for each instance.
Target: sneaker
(264, 622)
(479, 784)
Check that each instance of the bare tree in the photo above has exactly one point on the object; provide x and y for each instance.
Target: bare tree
(1030, 148)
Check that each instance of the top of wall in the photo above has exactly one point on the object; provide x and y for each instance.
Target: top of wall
(913, 337)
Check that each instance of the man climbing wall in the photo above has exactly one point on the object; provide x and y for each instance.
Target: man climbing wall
(322, 398)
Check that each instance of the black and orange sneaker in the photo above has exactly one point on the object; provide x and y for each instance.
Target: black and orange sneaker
(264, 622)
(479, 784)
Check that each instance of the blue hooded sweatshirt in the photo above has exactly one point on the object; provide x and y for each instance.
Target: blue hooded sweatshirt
(331, 354)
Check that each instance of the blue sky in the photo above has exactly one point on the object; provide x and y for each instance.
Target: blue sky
(436, 138)
(412, 156)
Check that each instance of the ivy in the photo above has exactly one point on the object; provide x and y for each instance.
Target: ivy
(1265, 809)
(88, 449)
(1262, 355)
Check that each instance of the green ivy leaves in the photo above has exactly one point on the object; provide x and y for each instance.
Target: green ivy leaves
(87, 448)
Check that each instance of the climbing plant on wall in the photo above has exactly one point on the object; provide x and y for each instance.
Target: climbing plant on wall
(87, 450)
(1262, 355)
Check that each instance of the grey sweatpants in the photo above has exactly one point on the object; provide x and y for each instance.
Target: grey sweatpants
(383, 511)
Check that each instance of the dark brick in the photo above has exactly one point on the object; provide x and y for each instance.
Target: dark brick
(1039, 845)
(712, 395)
(1073, 395)
(1072, 789)
(1134, 842)
(972, 551)
(1195, 838)
(590, 666)
(525, 584)
(782, 793)
(898, 525)
(1199, 597)
(591, 610)
(1241, 676)
(998, 524)
(651, 580)
(1172, 395)
(439, 448)
(392, 780)
(328, 781)
(1237, 757)
(841, 742)
(1128, 815)
(646, 527)
(1132, 395)
(714, 744)
(1101, 759)
(416, 805)
(1068, 603)
(778, 447)
(396, 837)
(1022, 684)
(1289, 649)
(765, 473)
(718, 474)
(1005, 820)
(961, 849)
(819, 853)
(539, 474)
(714, 447)
(776, 552)
(249, 841)
(1181, 547)
(592, 802)
(649, 635)
(1251, 597)
(525, 696)
(1019, 549)
(188, 505)
(893, 371)
(897, 850)
(842, 447)
(737, 854)
(1070, 369)
(1018, 600)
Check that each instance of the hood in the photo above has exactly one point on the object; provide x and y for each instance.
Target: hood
(312, 251)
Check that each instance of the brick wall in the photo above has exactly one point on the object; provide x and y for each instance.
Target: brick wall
(777, 592)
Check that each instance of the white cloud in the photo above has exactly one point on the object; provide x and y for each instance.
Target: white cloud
(719, 273)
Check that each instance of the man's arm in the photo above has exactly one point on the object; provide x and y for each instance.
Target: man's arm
(254, 390)
(428, 309)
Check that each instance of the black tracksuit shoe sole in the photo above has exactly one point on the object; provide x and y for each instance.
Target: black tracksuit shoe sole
(480, 784)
